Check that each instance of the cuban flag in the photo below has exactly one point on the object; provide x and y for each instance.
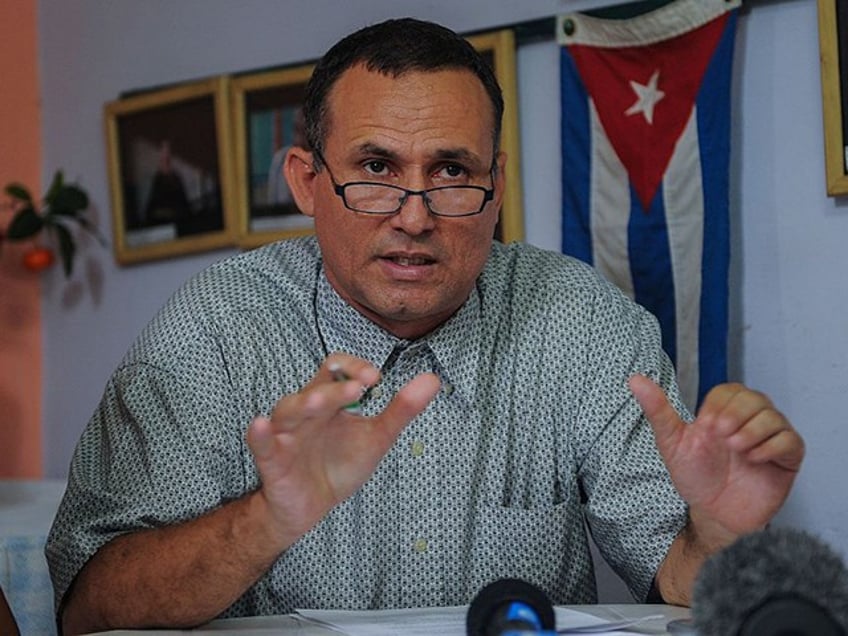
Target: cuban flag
(645, 152)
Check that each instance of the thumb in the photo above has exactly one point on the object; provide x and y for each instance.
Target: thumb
(412, 399)
(663, 418)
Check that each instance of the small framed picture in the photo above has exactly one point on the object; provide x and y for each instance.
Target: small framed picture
(833, 49)
(170, 171)
(498, 48)
(267, 121)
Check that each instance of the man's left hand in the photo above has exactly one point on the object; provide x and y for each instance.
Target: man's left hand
(734, 464)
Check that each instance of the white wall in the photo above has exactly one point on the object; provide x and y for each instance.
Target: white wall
(789, 332)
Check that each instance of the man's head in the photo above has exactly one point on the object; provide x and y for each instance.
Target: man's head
(393, 48)
(381, 111)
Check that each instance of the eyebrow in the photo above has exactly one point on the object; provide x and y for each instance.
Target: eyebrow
(453, 154)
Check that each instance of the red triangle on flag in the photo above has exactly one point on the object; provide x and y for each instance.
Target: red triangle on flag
(644, 96)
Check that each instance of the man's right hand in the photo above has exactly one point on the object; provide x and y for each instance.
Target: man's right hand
(312, 454)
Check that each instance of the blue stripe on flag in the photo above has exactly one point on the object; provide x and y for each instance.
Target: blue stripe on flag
(576, 170)
(714, 116)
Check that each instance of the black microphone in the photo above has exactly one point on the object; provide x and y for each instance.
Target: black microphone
(775, 582)
(510, 605)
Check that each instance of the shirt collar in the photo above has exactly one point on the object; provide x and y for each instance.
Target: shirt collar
(455, 344)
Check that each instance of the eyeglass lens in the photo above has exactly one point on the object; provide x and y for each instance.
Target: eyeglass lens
(385, 199)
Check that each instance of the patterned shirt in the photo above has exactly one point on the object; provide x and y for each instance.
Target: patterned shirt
(533, 437)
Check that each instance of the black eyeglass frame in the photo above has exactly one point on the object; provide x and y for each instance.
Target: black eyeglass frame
(339, 189)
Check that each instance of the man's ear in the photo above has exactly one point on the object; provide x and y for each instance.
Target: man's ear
(301, 177)
(500, 179)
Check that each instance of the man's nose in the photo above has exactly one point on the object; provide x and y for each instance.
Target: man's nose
(414, 216)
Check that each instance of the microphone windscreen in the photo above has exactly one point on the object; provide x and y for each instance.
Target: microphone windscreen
(490, 608)
(780, 572)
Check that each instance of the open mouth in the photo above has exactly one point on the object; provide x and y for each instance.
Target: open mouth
(410, 261)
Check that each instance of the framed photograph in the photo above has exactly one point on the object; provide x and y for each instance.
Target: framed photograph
(498, 47)
(267, 121)
(833, 43)
(169, 171)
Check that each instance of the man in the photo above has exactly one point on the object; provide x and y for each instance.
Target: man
(486, 413)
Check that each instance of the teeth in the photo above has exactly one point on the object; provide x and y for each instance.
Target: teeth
(406, 262)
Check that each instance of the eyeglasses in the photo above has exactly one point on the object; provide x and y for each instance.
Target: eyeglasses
(381, 198)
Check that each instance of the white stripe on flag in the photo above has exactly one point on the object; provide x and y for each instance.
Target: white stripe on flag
(609, 209)
(662, 23)
(684, 208)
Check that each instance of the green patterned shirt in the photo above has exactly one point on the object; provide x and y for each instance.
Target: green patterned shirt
(533, 437)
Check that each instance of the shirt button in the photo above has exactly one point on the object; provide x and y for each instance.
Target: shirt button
(420, 545)
(417, 448)
(376, 392)
(448, 388)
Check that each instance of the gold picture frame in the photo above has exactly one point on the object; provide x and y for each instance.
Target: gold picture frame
(266, 109)
(499, 49)
(170, 171)
(833, 45)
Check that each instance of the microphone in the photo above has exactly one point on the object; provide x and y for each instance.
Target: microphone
(775, 582)
(510, 606)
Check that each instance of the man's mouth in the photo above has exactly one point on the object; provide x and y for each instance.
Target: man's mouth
(411, 261)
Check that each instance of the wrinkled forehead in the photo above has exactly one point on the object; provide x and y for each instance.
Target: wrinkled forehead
(410, 101)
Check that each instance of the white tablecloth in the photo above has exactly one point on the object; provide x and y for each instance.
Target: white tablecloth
(27, 509)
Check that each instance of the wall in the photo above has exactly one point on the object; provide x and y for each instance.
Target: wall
(20, 290)
(789, 264)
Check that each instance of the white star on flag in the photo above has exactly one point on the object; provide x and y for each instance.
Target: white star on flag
(647, 96)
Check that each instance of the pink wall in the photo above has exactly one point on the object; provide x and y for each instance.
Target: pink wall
(20, 310)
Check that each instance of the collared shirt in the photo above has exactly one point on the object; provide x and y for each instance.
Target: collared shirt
(532, 438)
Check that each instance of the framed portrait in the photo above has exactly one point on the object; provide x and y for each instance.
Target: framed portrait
(498, 47)
(169, 171)
(267, 121)
(833, 44)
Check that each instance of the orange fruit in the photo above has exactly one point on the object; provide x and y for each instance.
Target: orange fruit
(38, 259)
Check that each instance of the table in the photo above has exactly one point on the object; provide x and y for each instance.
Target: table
(283, 625)
(27, 508)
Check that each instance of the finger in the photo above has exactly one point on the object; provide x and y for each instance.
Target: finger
(664, 420)
(260, 438)
(339, 382)
(350, 367)
(785, 449)
(758, 428)
(728, 407)
(411, 400)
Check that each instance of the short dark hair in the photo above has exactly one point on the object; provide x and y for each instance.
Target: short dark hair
(394, 47)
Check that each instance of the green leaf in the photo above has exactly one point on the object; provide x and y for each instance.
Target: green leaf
(66, 247)
(55, 187)
(25, 223)
(68, 201)
(17, 191)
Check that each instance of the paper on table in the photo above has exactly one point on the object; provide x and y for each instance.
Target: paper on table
(445, 621)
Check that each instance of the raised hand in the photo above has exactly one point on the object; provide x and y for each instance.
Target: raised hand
(735, 463)
(312, 454)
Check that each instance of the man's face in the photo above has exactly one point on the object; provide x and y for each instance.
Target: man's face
(411, 271)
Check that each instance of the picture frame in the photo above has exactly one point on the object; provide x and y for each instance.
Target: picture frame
(266, 110)
(498, 47)
(170, 171)
(833, 48)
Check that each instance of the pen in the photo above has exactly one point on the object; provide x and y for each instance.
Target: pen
(340, 376)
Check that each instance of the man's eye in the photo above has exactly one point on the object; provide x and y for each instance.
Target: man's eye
(452, 171)
(377, 168)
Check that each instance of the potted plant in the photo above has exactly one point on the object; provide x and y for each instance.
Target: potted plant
(61, 208)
